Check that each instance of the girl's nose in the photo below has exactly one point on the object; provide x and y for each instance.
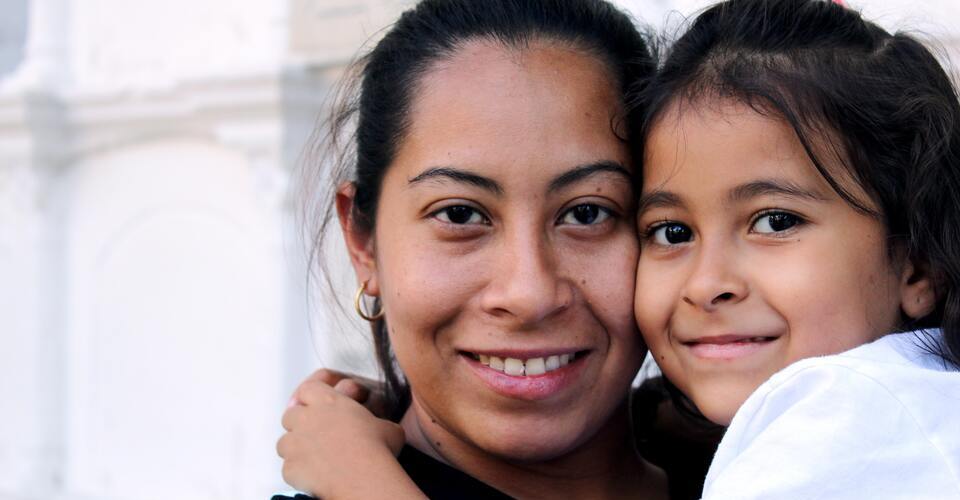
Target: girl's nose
(526, 286)
(715, 279)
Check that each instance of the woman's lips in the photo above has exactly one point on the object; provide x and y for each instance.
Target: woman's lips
(728, 347)
(531, 378)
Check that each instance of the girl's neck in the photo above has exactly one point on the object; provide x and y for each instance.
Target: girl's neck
(606, 466)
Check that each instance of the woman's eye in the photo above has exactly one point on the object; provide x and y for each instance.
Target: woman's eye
(460, 214)
(585, 214)
(775, 222)
(671, 234)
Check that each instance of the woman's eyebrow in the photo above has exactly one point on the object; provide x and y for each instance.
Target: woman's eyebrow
(583, 171)
(457, 175)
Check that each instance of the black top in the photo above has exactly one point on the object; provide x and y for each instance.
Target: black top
(437, 480)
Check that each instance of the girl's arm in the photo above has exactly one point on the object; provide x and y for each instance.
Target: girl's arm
(334, 448)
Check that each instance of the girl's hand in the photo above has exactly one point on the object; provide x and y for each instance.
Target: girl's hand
(365, 391)
(334, 447)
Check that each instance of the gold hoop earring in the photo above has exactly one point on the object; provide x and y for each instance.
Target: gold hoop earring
(357, 304)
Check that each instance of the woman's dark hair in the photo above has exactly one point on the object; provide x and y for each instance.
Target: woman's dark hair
(369, 124)
(879, 103)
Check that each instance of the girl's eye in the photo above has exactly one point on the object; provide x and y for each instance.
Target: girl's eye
(460, 214)
(671, 234)
(585, 214)
(775, 222)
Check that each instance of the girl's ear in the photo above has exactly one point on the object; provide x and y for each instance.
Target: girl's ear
(918, 296)
(360, 242)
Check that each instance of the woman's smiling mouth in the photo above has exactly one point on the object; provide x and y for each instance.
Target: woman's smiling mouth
(529, 377)
(526, 367)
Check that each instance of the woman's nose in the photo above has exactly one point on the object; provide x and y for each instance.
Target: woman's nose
(527, 286)
(715, 279)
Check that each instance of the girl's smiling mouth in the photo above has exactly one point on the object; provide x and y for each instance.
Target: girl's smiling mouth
(728, 347)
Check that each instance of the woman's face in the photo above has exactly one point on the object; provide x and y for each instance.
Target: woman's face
(505, 251)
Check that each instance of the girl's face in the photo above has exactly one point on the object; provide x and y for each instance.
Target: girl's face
(749, 260)
(505, 245)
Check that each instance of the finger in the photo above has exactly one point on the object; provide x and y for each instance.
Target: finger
(322, 375)
(292, 417)
(353, 390)
(396, 438)
(283, 445)
(327, 376)
(316, 393)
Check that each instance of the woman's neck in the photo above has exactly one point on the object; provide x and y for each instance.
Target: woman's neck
(606, 466)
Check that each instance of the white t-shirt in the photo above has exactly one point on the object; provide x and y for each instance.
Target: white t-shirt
(881, 421)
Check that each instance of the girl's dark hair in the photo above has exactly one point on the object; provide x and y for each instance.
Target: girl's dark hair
(369, 124)
(879, 103)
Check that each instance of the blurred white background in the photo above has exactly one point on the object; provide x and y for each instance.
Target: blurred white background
(153, 302)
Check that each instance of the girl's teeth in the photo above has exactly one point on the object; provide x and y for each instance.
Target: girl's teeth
(530, 367)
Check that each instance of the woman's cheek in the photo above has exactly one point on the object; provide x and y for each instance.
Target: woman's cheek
(424, 288)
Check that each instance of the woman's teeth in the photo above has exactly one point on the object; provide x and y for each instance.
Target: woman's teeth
(529, 367)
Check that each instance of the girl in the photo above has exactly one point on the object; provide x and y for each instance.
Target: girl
(488, 213)
(801, 171)
(800, 200)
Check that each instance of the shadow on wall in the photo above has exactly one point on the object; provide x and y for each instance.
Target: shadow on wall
(13, 34)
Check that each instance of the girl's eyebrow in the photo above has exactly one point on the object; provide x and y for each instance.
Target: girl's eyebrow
(766, 187)
(658, 199)
(746, 191)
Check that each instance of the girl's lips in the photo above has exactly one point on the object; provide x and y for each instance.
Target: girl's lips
(529, 388)
(728, 347)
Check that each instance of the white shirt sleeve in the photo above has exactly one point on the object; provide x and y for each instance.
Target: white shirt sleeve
(825, 432)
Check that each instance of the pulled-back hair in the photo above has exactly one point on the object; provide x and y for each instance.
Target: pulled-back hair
(367, 127)
(880, 103)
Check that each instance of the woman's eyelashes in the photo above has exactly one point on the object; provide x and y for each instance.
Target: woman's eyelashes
(460, 215)
(585, 214)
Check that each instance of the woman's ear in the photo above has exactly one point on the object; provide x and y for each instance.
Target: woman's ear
(918, 295)
(359, 240)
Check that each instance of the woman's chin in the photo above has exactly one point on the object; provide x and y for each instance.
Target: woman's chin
(521, 445)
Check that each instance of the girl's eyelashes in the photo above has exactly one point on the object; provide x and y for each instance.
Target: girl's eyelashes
(585, 214)
(460, 215)
(669, 233)
(774, 222)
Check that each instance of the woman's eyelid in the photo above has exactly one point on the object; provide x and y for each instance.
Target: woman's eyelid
(436, 212)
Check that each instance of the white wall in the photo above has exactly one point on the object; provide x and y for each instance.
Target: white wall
(153, 309)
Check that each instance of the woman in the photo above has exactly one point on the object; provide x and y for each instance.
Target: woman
(490, 213)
